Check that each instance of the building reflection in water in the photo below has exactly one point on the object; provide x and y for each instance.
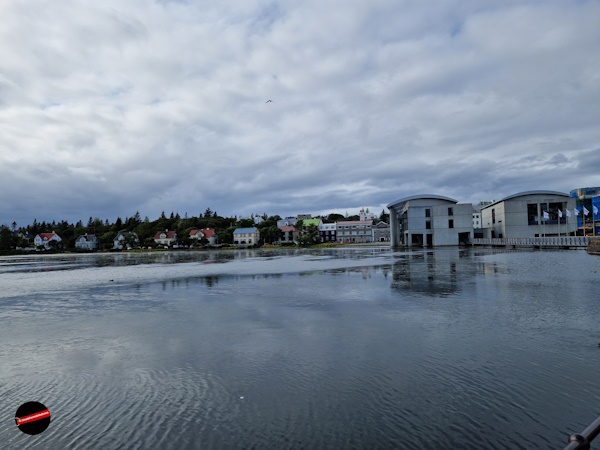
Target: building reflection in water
(437, 273)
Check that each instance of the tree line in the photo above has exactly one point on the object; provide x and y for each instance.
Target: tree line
(14, 236)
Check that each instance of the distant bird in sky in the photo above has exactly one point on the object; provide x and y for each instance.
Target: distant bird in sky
(269, 101)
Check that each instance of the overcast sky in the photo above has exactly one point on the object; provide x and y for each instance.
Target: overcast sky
(113, 107)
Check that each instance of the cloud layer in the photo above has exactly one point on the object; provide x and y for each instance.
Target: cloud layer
(133, 105)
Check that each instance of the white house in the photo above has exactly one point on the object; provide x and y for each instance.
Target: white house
(290, 220)
(45, 239)
(166, 237)
(126, 240)
(87, 242)
(381, 232)
(205, 233)
(430, 220)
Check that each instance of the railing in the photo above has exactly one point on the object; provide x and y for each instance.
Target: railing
(582, 441)
(560, 241)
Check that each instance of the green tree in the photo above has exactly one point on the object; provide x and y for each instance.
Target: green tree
(384, 217)
(271, 234)
(5, 238)
(310, 236)
(246, 223)
(226, 235)
(106, 240)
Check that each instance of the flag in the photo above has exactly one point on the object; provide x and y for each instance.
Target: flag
(568, 212)
(576, 211)
(559, 213)
(595, 210)
(585, 211)
(546, 216)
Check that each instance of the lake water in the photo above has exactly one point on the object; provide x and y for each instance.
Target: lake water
(351, 348)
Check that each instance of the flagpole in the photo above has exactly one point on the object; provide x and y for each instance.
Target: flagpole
(559, 217)
(544, 227)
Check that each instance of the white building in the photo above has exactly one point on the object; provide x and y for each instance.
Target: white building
(45, 239)
(366, 215)
(126, 239)
(522, 215)
(166, 237)
(431, 220)
(290, 220)
(87, 242)
(476, 219)
(381, 232)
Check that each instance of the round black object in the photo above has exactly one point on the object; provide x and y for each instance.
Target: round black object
(32, 418)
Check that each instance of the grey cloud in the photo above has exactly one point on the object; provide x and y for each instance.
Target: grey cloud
(150, 107)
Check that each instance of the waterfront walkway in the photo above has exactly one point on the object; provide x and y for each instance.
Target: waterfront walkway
(555, 242)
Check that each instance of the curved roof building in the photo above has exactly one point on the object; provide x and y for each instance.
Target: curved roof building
(529, 214)
(430, 220)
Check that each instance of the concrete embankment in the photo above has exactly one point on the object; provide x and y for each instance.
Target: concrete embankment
(594, 246)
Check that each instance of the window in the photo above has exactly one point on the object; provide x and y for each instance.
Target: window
(427, 213)
(451, 223)
(493, 215)
(450, 211)
(428, 225)
(532, 214)
(553, 209)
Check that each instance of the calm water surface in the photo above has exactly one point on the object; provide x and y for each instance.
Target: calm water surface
(353, 348)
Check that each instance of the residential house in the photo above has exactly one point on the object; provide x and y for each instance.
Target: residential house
(166, 237)
(290, 235)
(327, 232)
(205, 233)
(126, 239)
(354, 231)
(87, 242)
(246, 237)
(211, 235)
(290, 220)
(431, 220)
(196, 235)
(46, 238)
(381, 232)
(308, 222)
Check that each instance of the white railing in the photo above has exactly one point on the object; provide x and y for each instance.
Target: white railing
(561, 241)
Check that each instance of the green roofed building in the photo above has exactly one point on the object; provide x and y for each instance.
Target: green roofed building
(309, 222)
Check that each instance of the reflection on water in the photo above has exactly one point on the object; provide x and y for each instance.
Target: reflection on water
(351, 348)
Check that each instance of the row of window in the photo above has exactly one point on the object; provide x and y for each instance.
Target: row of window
(346, 227)
(428, 224)
(450, 211)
